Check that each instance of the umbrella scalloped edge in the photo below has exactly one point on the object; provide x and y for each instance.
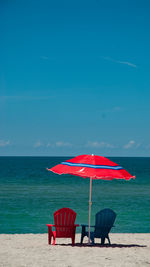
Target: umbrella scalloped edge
(107, 178)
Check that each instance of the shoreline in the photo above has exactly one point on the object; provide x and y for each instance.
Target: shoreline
(127, 249)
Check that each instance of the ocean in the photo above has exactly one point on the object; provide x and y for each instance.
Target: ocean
(29, 195)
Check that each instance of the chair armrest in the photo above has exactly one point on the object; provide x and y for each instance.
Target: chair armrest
(50, 225)
(84, 230)
(86, 225)
(63, 226)
(60, 226)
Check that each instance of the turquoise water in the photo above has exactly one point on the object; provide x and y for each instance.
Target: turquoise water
(30, 195)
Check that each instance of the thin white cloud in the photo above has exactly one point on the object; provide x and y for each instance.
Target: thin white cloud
(96, 144)
(63, 144)
(4, 143)
(59, 144)
(49, 145)
(116, 108)
(53, 145)
(44, 57)
(127, 63)
(38, 144)
(130, 144)
(121, 62)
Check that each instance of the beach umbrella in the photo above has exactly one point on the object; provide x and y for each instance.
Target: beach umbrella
(93, 167)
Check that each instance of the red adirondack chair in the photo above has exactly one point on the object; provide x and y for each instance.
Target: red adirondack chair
(64, 225)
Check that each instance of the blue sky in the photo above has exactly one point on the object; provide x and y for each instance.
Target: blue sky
(75, 78)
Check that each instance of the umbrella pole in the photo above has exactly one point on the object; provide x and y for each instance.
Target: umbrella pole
(90, 203)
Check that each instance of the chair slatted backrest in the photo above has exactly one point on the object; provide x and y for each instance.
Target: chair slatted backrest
(104, 220)
(64, 221)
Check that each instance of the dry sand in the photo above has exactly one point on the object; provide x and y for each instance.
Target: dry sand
(20, 250)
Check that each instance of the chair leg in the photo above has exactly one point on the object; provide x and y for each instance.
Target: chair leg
(53, 241)
(49, 236)
(49, 239)
(102, 240)
(73, 240)
(92, 237)
(109, 240)
(83, 233)
(82, 237)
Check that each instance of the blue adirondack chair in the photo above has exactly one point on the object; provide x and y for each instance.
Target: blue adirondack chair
(104, 221)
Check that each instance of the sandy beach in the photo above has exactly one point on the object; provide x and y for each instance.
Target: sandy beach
(33, 250)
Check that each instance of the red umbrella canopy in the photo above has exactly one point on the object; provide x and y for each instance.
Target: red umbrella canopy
(95, 167)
